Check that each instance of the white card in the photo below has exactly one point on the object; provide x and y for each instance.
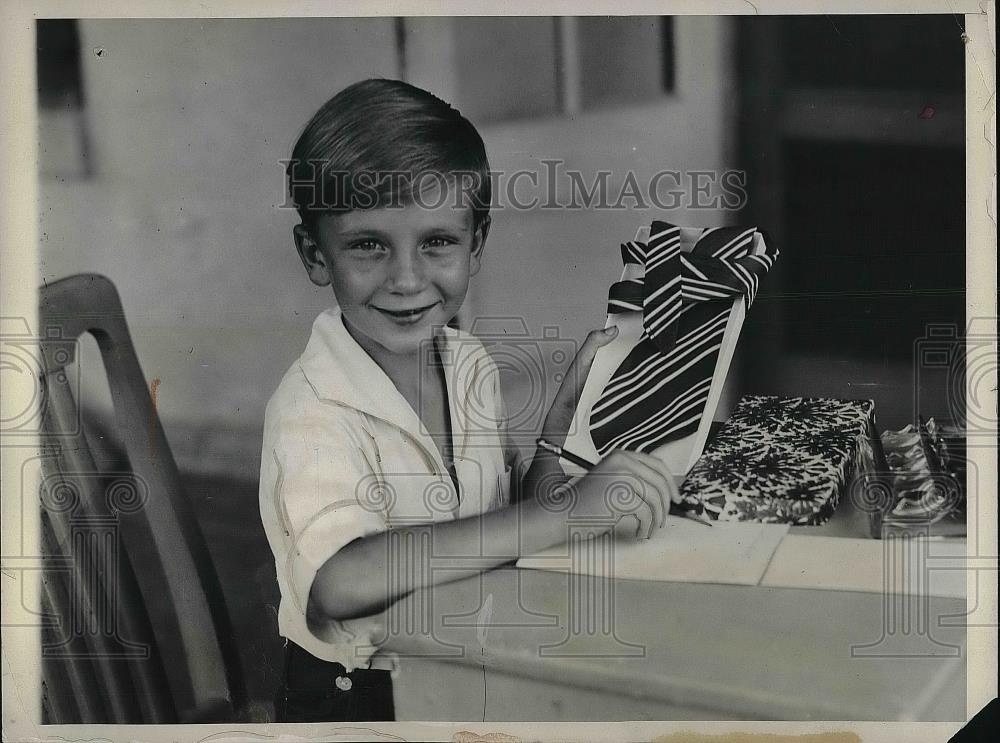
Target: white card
(683, 551)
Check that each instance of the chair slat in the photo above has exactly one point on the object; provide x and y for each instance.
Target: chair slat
(71, 693)
(165, 548)
(82, 530)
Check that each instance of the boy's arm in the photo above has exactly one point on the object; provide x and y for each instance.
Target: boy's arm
(355, 581)
(542, 475)
(545, 472)
(529, 479)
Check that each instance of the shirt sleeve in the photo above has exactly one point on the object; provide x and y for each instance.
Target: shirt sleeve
(318, 491)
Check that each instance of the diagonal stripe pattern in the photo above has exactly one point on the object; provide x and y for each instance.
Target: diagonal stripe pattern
(659, 391)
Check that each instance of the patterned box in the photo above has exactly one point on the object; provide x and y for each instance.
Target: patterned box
(783, 460)
(926, 477)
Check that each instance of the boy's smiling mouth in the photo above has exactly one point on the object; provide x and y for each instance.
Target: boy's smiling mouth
(411, 314)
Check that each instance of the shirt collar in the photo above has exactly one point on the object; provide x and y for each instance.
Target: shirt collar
(341, 371)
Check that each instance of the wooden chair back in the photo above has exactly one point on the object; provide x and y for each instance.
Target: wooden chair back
(144, 634)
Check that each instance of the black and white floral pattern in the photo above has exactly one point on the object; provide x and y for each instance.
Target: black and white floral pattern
(782, 460)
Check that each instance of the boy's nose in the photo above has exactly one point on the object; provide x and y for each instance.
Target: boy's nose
(406, 273)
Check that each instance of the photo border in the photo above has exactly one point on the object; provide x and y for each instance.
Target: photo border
(19, 230)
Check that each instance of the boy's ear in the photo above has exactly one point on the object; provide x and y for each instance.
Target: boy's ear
(479, 246)
(311, 255)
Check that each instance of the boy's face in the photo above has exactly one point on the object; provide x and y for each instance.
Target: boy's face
(396, 272)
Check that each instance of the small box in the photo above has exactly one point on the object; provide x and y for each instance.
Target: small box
(786, 460)
(927, 477)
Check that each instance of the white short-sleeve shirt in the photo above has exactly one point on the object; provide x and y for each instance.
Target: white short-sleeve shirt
(345, 455)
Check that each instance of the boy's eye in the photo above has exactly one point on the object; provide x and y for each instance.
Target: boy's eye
(367, 246)
(440, 242)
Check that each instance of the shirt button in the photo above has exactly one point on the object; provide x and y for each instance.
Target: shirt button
(343, 683)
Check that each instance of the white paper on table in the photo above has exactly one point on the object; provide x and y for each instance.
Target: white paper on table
(679, 455)
(682, 551)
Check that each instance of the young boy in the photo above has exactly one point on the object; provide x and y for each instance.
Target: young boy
(368, 433)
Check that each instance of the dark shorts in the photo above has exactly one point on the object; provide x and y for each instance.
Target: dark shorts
(311, 692)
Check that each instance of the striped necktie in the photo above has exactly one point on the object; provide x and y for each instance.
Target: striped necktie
(659, 391)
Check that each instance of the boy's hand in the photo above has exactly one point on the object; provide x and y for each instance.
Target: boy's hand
(628, 483)
(560, 415)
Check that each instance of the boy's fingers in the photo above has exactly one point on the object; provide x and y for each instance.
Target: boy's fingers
(568, 395)
(643, 525)
(667, 476)
(595, 340)
(576, 376)
(652, 513)
(655, 497)
(651, 526)
(641, 530)
(658, 488)
(651, 488)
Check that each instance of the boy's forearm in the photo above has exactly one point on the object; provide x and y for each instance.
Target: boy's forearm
(356, 581)
(543, 474)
